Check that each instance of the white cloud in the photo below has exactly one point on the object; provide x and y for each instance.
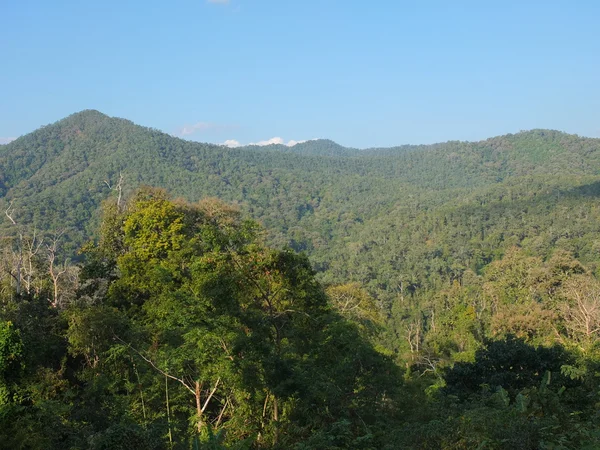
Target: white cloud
(273, 141)
(232, 143)
(276, 141)
(6, 140)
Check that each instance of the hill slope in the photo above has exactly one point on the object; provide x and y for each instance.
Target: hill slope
(378, 216)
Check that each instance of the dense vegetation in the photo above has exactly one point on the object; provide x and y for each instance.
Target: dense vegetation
(444, 296)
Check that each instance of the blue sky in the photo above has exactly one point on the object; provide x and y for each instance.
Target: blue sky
(364, 74)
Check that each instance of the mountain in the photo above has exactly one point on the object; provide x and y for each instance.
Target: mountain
(314, 147)
(471, 265)
(392, 217)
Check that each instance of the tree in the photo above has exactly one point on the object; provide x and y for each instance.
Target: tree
(355, 304)
(11, 361)
(581, 310)
(242, 331)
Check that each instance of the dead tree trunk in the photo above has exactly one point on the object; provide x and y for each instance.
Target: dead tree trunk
(32, 246)
(18, 254)
(117, 187)
(56, 270)
(197, 392)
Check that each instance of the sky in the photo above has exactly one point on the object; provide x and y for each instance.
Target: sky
(362, 73)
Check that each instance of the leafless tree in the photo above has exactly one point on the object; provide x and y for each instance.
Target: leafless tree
(55, 269)
(27, 265)
(413, 335)
(15, 269)
(429, 363)
(118, 187)
(9, 211)
(581, 311)
(32, 246)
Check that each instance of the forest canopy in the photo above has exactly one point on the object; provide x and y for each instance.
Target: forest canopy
(442, 296)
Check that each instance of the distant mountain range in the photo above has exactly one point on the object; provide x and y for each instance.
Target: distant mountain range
(343, 206)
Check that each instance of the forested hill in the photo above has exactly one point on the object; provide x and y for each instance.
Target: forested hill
(448, 296)
(369, 215)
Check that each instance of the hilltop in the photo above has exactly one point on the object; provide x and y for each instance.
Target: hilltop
(441, 286)
(360, 214)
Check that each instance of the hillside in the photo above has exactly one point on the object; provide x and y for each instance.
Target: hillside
(448, 296)
(349, 209)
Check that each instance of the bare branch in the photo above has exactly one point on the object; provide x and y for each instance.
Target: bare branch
(221, 413)
(211, 394)
(158, 369)
(117, 187)
(9, 211)
(224, 347)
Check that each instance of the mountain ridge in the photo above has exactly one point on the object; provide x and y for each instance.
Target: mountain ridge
(84, 116)
(339, 205)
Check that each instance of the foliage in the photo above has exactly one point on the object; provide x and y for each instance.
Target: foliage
(471, 266)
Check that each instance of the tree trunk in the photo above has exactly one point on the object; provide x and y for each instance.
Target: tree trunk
(198, 406)
(168, 411)
(276, 420)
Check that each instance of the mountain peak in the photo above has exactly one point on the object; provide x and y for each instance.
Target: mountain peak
(88, 113)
